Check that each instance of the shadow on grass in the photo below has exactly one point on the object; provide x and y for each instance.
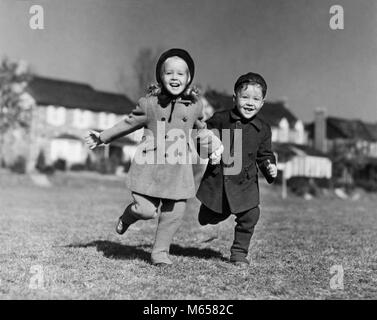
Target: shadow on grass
(205, 253)
(114, 250)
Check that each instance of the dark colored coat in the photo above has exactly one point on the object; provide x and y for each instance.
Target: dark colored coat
(241, 190)
(160, 178)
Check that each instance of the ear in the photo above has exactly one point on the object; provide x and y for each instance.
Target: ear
(262, 102)
(234, 98)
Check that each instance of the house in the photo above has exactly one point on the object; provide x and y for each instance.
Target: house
(336, 135)
(285, 126)
(62, 112)
(352, 146)
(296, 160)
(289, 138)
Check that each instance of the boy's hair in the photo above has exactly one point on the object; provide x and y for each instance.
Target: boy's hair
(250, 78)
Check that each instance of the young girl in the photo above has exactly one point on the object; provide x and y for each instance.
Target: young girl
(161, 172)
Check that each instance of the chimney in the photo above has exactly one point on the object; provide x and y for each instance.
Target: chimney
(320, 126)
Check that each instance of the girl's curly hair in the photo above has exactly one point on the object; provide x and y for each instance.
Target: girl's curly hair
(191, 92)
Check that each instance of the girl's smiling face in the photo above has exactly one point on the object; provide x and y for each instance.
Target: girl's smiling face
(249, 100)
(175, 75)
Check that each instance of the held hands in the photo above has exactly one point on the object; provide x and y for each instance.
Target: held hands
(272, 169)
(215, 156)
(93, 139)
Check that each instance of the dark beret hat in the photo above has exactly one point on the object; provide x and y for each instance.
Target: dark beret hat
(175, 52)
(251, 77)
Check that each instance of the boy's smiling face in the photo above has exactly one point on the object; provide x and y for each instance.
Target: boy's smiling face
(249, 100)
(175, 75)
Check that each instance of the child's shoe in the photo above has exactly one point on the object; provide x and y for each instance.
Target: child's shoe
(240, 261)
(125, 220)
(121, 226)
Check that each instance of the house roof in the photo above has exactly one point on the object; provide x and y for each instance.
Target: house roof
(218, 100)
(272, 112)
(70, 94)
(372, 129)
(338, 128)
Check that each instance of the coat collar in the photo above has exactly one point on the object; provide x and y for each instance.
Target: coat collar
(255, 121)
(165, 99)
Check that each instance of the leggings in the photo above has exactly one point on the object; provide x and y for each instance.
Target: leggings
(146, 207)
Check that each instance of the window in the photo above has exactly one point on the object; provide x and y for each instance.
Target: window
(300, 132)
(106, 120)
(283, 130)
(111, 119)
(102, 120)
(82, 118)
(55, 115)
(70, 150)
(274, 134)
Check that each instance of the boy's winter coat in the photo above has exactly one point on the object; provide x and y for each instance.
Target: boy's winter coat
(162, 164)
(241, 190)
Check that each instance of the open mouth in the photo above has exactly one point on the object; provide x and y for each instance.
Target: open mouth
(175, 85)
(247, 109)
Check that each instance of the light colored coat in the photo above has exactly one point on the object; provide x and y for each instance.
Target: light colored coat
(167, 170)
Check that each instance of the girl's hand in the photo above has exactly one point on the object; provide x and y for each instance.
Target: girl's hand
(93, 139)
(215, 156)
(272, 169)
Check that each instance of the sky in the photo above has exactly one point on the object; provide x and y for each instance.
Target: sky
(290, 43)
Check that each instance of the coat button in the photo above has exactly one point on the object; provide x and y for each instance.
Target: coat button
(163, 119)
(184, 119)
(166, 136)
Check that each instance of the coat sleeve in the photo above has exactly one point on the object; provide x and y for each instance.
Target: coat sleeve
(265, 153)
(207, 140)
(135, 120)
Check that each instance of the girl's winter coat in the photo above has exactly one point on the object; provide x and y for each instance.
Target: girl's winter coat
(162, 164)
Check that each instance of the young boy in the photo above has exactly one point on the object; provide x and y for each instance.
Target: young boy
(224, 194)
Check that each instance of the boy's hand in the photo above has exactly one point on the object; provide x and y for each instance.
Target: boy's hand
(93, 139)
(272, 169)
(215, 156)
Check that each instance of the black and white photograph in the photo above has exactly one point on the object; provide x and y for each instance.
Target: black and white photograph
(198, 151)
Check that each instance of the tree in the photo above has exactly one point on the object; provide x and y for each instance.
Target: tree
(144, 69)
(14, 77)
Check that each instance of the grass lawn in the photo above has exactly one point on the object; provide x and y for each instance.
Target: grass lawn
(66, 234)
